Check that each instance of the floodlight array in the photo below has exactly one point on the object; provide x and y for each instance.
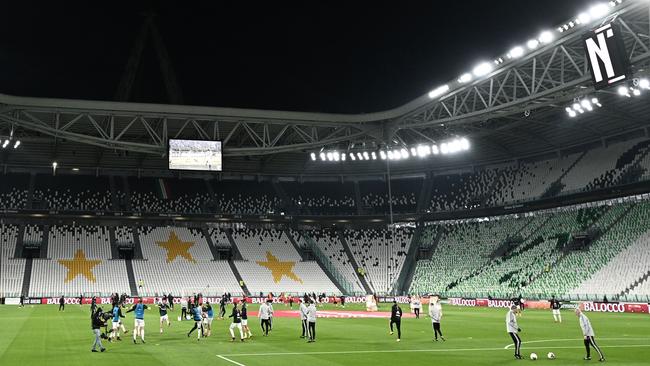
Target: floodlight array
(595, 12)
(397, 153)
(584, 105)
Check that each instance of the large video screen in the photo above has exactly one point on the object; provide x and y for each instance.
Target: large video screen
(195, 155)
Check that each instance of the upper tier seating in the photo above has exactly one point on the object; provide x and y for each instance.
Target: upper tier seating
(72, 192)
(13, 191)
(322, 198)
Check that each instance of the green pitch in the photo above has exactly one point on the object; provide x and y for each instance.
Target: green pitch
(40, 335)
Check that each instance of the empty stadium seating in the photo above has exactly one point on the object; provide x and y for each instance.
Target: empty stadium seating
(271, 263)
(11, 269)
(381, 253)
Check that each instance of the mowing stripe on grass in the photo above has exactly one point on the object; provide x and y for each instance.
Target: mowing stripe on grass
(405, 351)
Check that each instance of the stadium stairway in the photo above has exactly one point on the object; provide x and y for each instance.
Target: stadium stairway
(236, 255)
(18, 252)
(137, 250)
(490, 191)
(115, 253)
(328, 267)
(129, 272)
(280, 192)
(552, 190)
(208, 238)
(46, 241)
(357, 198)
(30, 191)
(111, 186)
(635, 284)
(238, 276)
(295, 245)
(425, 194)
(405, 278)
(27, 277)
(354, 263)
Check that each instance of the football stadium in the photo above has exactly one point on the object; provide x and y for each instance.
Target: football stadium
(500, 217)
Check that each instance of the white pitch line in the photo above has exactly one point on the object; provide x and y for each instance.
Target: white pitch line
(405, 351)
(574, 339)
(231, 361)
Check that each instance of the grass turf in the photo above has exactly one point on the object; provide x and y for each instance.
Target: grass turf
(475, 336)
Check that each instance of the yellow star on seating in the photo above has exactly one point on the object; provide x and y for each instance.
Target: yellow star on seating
(279, 269)
(79, 265)
(176, 247)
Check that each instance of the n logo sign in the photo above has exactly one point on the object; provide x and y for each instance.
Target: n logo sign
(606, 55)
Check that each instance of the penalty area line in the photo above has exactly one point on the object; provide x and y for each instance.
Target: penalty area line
(401, 351)
(231, 361)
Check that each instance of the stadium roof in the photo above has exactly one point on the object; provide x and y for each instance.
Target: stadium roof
(514, 109)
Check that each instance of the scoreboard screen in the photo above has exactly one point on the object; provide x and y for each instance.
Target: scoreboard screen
(195, 155)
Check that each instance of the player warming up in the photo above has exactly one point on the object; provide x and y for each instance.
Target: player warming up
(265, 315)
(311, 320)
(198, 322)
(116, 322)
(209, 317)
(555, 309)
(236, 323)
(138, 328)
(396, 319)
(303, 317)
(513, 329)
(163, 308)
(588, 333)
(435, 312)
(244, 320)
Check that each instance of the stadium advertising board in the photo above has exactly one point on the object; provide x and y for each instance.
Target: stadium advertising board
(195, 155)
(608, 60)
(615, 307)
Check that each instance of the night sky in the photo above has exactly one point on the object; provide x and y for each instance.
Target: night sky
(326, 56)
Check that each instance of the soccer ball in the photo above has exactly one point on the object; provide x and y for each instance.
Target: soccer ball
(551, 356)
(533, 356)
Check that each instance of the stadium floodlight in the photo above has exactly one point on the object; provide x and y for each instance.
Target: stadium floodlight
(16, 144)
(360, 156)
(322, 156)
(313, 156)
(516, 52)
(532, 44)
(423, 150)
(373, 155)
(583, 18)
(644, 84)
(330, 156)
(559, 29)
(578, 108)
(382, 155)
(464, 143)
(366, 156)
(435, 150)
(636, 92)
(405, 153)
(466, 77)
(352, 157)
(623, 91)
(343, 156)
(586, 104)
(547, 36)
(414, 151)
(438, 91)
(571, 24)
(444, 148)
(572, 113)
(390, 155)
(598, 11)
(5, 143)
(55, 164)
(335, 156)
(482, 69)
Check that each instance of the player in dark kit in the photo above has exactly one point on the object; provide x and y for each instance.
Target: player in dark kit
(236, 323)
(222, 306)
(61, 303)
(396, 318)
(555, 309)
